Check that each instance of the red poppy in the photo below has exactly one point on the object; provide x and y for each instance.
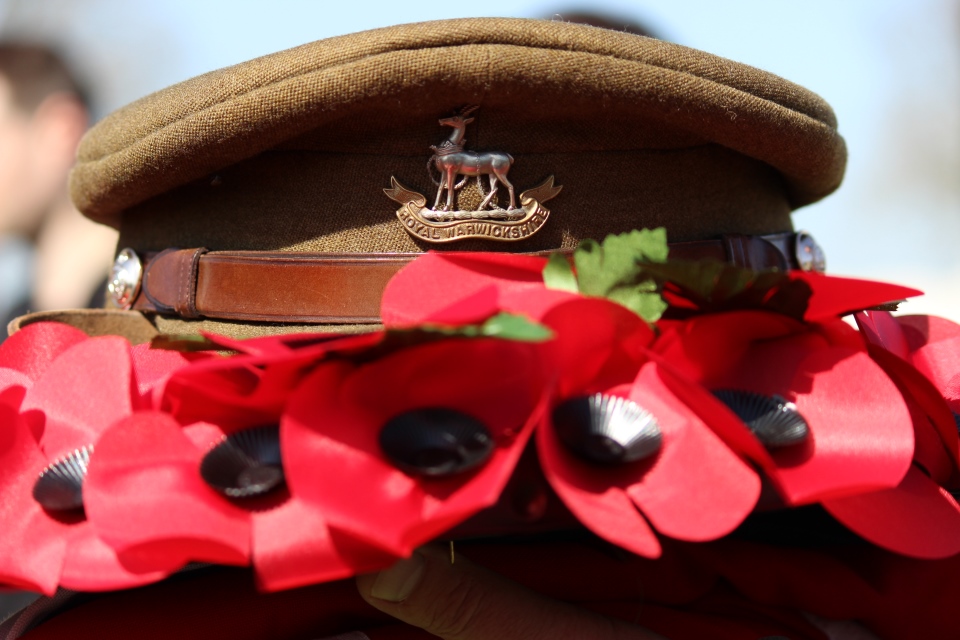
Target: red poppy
(695, 488)
(147, 498)
(61, 390)
(918, 517)
(860, 434)
(337, 429)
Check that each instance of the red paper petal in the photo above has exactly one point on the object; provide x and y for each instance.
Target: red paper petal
(928, 450)
(497, 381)
(705, 347)
(599, 344)
(32, 545)
(13, 378)
(530, 301)
(32, 348)
(276, 348)
(882, 329)
(245, 391)
(433, 288)
(442, 510)
(696, 489)
(927, 398)
(153, 367)
(536, 302)
(838, 333)
(833, 296)
(144, 494)
(85, 390)
(861, 431)
(928, 330)
(236, 396)
(43, 550)
(91, 565)
(932, 329)
(348, 482)
(935, 351)
(203, 435)
(728, 427)
(918, 518)
(293, 547)
(595, 495)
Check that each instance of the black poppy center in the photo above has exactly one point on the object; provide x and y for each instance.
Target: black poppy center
(772, 419)
(606, 429)
(435, 441)
(60, 486)
(246, 464)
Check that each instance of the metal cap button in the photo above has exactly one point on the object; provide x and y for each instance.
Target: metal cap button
(125, 277)
(810, 256)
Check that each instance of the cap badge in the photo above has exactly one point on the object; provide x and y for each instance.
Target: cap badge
(446, 222)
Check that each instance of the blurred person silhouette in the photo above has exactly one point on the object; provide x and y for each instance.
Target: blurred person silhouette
(50, 256)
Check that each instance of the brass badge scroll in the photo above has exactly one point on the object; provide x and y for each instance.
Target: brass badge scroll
(444, 222)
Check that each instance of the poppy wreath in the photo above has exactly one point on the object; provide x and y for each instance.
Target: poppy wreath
(660, 399)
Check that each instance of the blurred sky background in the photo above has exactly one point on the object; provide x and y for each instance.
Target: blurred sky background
(890, 69)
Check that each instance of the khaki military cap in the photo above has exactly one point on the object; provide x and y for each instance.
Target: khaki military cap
(289, 155)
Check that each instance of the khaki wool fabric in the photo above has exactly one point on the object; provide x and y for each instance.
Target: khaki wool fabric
(292, 151)
(139, 327)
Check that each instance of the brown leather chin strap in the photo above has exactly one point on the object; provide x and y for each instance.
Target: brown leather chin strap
(342, 288)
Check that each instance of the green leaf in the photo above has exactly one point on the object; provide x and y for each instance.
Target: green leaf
(515, 327)
(558, 274)
(615, 262)
(648, 304)
(614, 269)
